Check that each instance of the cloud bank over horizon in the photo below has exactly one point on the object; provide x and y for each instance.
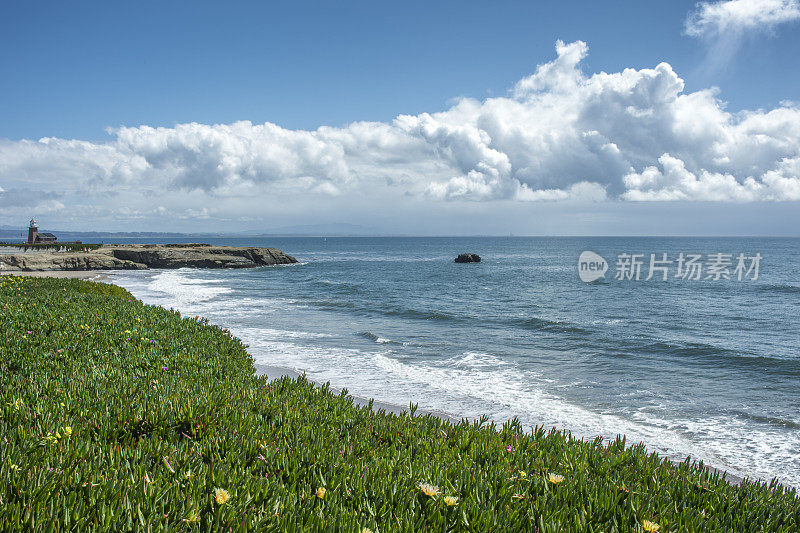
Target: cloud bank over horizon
(559, 135)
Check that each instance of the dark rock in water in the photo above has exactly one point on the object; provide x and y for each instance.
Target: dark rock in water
(468, 258)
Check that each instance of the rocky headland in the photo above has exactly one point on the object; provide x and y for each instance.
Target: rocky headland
(145, 256)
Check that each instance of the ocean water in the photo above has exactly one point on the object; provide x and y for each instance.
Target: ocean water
(701, 368)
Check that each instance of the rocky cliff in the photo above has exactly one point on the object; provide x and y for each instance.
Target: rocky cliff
(143, 256)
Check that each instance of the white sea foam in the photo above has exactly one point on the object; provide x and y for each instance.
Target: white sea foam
(477, 360)
(282, 333)
(185, 291)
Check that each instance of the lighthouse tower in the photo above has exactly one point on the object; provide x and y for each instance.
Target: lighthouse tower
(33, 232)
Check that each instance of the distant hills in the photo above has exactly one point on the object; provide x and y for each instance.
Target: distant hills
(309, 230)
(8, 232)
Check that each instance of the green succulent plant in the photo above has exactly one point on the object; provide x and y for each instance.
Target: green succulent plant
(115, 415)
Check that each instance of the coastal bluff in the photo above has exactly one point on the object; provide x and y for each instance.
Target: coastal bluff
(146, 256)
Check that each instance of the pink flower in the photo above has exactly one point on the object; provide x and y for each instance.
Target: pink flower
(30, 333)
(164, 369)
(510, 448)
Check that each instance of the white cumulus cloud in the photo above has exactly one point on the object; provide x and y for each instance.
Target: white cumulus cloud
(672, 181)
(560, 135)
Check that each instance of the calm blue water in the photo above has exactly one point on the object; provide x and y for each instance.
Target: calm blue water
(708, 369)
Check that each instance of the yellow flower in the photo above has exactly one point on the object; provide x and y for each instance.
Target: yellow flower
(451, 500)
(18, 403)
(366, 530)
(61, 404)
(68, 431)
(222, 496)
(321, 493)
(15, 468)
(522, 473)
(192, 517)
(188, 474)
(429, 490)
(555, 478)
(647, 525)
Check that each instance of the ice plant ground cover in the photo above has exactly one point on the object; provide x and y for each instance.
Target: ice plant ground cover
(119, 416)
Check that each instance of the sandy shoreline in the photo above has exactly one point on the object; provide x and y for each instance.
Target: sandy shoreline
(91, 275)
(276, 372)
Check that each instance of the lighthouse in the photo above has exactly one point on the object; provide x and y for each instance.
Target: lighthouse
(33, 232)
(34, 237)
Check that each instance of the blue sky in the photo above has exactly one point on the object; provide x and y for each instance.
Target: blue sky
(72, 70)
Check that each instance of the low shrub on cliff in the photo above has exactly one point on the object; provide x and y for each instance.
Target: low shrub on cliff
(119, 416)
(53, 247)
